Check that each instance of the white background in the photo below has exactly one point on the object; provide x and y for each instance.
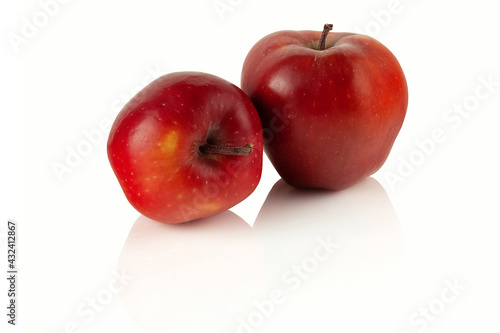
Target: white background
(401, 243)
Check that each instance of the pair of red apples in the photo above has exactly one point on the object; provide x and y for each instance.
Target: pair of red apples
(326, 108)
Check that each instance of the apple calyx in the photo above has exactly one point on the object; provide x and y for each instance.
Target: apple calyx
(326, 29)
(208, 148)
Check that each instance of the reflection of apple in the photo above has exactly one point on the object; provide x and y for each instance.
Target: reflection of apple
(334, 103)
(187, 146)
(192, 277)
(294, 225)
(355, 287)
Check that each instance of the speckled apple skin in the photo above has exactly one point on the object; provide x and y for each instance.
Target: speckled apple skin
(330, 116)
(153, 147)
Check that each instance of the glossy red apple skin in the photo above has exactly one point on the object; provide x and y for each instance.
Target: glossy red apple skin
(153, 147)
(330, 116)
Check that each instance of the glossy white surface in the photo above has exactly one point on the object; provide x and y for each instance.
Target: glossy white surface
(413, 249)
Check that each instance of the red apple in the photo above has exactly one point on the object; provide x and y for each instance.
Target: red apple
(331, 104)
(187, 146)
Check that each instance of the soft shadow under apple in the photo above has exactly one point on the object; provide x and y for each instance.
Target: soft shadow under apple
(360, 220)
(191, 277)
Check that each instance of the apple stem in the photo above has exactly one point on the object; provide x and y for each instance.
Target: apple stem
(327, 27)
(213, 149)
